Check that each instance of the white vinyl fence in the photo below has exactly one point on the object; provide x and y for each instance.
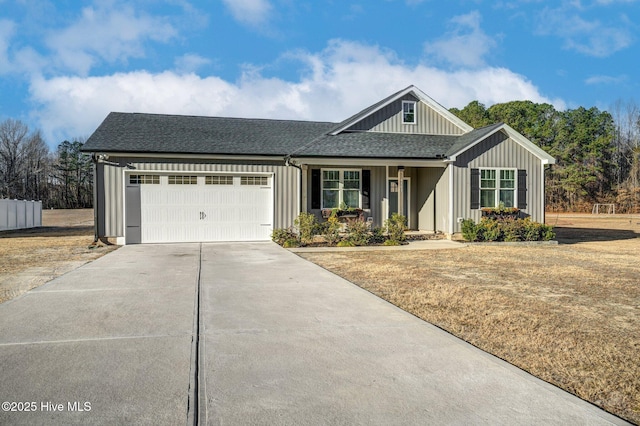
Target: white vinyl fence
(17, 214)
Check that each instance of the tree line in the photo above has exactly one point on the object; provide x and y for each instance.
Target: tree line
(597, 153)
(29, 170)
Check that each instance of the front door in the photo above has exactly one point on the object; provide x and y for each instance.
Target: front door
(393, 197)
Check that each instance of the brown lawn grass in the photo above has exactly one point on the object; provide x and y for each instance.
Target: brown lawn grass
(569, 314)
(31, 257)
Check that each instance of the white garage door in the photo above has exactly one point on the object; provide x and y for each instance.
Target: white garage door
(198, 208)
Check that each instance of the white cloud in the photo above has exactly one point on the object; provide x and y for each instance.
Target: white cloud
(605, 79)
(106, 34)
(250, 12)
(336, 83)
(589, 37)
(601, 43)
(466, 45)
(7, 31)
(190, 62)
(14, 59)
(74, 106)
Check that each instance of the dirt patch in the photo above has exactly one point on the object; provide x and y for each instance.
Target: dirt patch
(567, 313)
(32, 257)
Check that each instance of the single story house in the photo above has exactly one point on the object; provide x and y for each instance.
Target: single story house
(171, 178)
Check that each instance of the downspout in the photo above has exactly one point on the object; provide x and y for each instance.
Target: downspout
(386, 203)
(288, 162)
(94, 160)
(451, 203)
(545, 167)
(97, 158)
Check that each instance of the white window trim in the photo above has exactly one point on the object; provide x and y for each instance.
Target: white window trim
(415, 115)
(340, 187)
(497, 188)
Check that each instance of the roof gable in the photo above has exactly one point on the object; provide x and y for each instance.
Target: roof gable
(474, 137)
(418, 94)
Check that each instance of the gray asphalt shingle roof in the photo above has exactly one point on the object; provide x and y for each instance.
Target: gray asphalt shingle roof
(175, 134)
(468, 138)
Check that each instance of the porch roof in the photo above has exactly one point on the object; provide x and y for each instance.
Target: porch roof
(378, 145)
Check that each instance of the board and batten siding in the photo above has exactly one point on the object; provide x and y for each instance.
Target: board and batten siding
(497, 151)
(285, 184)
(429, 179)
(389, 119)
(442, 201)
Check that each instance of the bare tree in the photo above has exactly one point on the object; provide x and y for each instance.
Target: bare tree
(36, 167)
(627, 118)
(13, 137)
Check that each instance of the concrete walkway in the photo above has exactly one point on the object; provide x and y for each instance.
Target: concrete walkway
(282, 342)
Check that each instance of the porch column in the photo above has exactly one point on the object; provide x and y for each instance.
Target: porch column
(303, 188)
(401, 194)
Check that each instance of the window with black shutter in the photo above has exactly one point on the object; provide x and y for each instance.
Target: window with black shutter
(498, 187)
(522, 189)
(366, 189)
(475, 188)
(316, 189)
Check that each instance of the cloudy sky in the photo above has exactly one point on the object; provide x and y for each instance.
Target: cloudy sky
(65, 64)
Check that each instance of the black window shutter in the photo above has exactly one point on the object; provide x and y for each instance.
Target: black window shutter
(475, 188)
(315, 188)
(522, 189)
(366, 189)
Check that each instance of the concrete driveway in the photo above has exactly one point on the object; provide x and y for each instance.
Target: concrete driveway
(281, 342)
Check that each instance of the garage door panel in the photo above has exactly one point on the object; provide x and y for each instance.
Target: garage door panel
(205, 212)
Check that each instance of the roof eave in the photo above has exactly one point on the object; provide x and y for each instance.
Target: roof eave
(370, 161)
(183, 155)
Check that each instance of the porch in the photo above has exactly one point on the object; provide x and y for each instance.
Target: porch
(375, 192)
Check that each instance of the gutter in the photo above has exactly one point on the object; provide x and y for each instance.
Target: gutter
(288, 162)
(94, 160)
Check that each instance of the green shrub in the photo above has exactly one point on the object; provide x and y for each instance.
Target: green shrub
(285, 235)
(291, 242)
(490, 230)
(346, 243)
(531, 230)
(506, 229)
(512, 229)
(331, 230)
(547, 232)
(395, 227)
(307, 226)
(391, 243)
(469, 230)
(358, 232)
(377, 236)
